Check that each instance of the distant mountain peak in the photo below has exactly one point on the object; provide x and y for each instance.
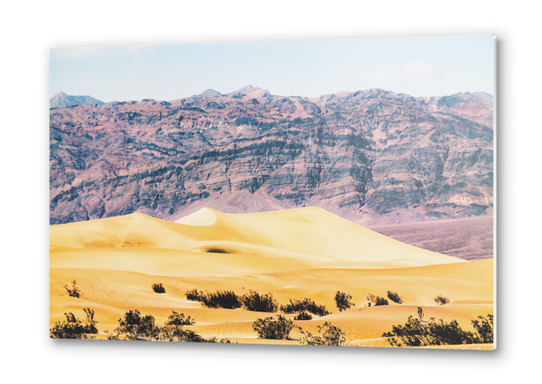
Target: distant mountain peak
(63, 100)
(251, 92)
(210, 93)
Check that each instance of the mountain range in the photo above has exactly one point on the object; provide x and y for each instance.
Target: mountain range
(371, 156)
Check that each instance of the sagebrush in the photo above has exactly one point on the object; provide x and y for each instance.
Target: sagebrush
(329, 335)
(74, 291)
(303, 316)
(271, 328)
(218, 299)
(342, 300)
(73, 328)
(254, 301)
(394, 296)
(134, 326)
(376, 300)
(308, 305)
(441, 300)
(419, 333)
(158, 288)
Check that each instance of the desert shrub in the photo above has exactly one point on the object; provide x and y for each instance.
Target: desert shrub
(90, 315)
(218, 299)
(112, 336)
(179, 319)
(329, 335)
(342, 300)
(393, 296)
(270, 328)
(441, 300)
(219, 341)
(417, 333)
(307, 305)
(194, 295)
(136, 327)
(484, 329)
(74, 291)
(421, 315)
(176, 333)
(377, 300)
(158, 288)
(303, 316)
(253, 301)
(72, 328)
(221, 299)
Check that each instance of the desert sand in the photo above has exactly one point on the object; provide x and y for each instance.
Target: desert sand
(293, 254)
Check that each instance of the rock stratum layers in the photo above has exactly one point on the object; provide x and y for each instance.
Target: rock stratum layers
(370, 156)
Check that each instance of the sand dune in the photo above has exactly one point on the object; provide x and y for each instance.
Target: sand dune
(292, 254)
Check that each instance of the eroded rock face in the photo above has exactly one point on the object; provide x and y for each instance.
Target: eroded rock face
(370, 156)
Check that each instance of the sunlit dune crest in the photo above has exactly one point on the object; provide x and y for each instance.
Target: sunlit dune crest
(203, 217)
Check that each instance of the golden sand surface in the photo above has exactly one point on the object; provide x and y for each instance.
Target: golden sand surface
(293, 254)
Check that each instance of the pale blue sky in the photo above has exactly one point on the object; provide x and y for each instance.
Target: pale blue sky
(419, 66)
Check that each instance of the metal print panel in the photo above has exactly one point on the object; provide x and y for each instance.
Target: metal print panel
(318, 192)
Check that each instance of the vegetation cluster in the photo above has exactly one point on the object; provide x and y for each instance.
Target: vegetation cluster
(73, 328)
(305, 305)
(418, 333)
(251, 301)
(274, 329)
(158, 288)
(376, 301)
(74, 291)
(329, 335)
(342, 301)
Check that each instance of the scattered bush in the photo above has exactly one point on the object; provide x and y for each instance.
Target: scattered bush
(275, 329)
(253, 301)
(222, 299)
(90, 315)
(342, 300)
(136, 327)
(416, 333)
(483, 329)
(376, 300)
(72, 328)
(421, 315)
(218, 299)
(329, 335)
(158, 288)
(179, 319)
(441, 300)
(393, 296)
(74, 291)
(194, 295)
(221, 341)
(306, 305)
(303, 316)
(176, 333)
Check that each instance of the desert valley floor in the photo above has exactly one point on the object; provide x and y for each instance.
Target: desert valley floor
(293, 254)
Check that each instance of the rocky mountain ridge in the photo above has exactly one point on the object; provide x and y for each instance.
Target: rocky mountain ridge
(371, 156)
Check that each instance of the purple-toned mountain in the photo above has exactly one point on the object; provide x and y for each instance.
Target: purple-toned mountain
(370, 156)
